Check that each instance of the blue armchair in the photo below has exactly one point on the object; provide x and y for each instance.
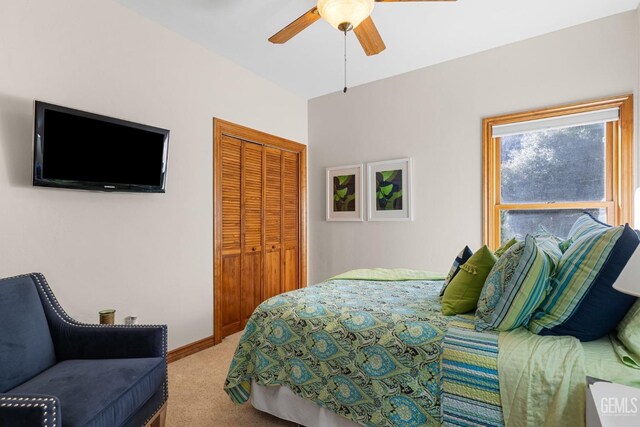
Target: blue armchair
(57, 372)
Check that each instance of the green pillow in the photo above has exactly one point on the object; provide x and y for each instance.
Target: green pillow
(564, 245)
(502, 249)
(629, 329)
(464, 290)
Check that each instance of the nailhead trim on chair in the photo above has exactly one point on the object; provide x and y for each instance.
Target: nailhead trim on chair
(34, 402)
(57, 308)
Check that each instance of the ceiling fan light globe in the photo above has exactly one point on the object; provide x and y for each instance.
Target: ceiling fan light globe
(339, 13)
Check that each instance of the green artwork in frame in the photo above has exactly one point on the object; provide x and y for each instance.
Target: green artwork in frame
(389, 190)
(344, 193)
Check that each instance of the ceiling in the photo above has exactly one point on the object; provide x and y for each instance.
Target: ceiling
(416, 34)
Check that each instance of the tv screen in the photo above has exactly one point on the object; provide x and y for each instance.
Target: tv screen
(75, 149)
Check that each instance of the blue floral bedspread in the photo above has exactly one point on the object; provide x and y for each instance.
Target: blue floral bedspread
(367, 350)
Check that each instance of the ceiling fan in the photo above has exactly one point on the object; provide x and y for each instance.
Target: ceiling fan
(344, 15)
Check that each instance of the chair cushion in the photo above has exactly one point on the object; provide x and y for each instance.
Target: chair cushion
(101, 392)
(26, 348)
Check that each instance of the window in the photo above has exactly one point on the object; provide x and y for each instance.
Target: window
(546, 167)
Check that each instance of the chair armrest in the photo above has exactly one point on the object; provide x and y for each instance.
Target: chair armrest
(26, 410)
(75, 340)
(83, 341)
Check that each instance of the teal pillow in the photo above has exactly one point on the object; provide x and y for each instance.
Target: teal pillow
(516, 286)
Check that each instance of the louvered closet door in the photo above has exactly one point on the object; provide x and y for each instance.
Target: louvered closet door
(273, 223)
(290, 218)
(252, 174)
(231, 159)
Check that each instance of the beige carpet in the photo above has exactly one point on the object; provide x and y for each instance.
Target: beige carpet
(196, 397)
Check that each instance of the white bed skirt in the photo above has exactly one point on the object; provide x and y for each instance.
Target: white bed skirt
(281, 402)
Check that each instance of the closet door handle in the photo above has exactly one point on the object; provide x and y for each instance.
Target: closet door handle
(253, 249)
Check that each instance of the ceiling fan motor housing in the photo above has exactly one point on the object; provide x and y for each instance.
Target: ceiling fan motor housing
(345, 15)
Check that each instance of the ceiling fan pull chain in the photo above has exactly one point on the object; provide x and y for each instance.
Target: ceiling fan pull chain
(345, 61)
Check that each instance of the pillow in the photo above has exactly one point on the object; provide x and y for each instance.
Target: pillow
(461, 296)
(504, 248)
(629, 329)
(583, 302)
(627, 357)
(550, 244)
(462, 257)
(516, 286)
(585, 225)
(564, 245)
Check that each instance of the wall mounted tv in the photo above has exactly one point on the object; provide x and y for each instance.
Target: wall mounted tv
(75, 149)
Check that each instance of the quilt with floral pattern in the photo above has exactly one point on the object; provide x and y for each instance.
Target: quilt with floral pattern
(367, 350)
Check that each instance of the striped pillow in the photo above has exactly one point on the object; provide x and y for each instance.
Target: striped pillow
(517, 284)
(584, 226)
(583, 302)
(550, 244)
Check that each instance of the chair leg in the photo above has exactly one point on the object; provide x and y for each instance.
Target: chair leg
(160, 419)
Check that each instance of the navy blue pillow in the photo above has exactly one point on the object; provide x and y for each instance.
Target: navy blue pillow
(602, 306)
(462, 257)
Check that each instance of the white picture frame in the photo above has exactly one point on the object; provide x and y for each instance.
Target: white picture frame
(350, 207)
(398, 182)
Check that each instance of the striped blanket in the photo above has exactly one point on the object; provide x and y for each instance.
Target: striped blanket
(471, 390)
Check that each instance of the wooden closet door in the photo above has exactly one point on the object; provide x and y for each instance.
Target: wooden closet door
(273, 223)
(290, 219)
(252, 247)
(231, 265)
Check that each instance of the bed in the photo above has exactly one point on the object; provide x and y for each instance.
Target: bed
(371, 347)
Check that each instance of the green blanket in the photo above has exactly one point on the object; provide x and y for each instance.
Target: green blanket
(605, 359)
(387, 274)
(367, 350)
(542, 380)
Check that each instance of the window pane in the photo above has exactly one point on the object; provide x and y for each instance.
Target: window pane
(558, 165)
(557, 221)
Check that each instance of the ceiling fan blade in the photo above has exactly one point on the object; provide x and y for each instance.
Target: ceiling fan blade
(369, 37)
(297, 26)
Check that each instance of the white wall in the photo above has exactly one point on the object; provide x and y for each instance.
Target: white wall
(145, 254)
(434, 115)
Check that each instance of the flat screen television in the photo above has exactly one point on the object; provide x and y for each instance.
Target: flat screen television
(75, 149)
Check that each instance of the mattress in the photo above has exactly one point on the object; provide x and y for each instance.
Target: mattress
(281, 402)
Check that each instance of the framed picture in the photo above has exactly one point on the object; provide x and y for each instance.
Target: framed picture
(390, 190)
(345, 191)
